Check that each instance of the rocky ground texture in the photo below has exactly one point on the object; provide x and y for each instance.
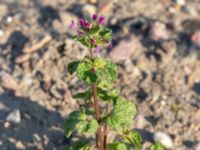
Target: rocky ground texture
(156, 45)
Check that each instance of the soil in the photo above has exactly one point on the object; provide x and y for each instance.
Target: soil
(156, 45)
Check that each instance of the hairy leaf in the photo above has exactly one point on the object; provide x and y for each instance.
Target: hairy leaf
(84, 95)
(77, 120)
(157, 146)
(79, 145)
(99, 63)
(106, 71)
(121, 117)
(72, 67)
(120, 146)
(107, 94)
(84, 71)
(134, 138)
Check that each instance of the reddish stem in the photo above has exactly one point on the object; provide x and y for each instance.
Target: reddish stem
(97, 111)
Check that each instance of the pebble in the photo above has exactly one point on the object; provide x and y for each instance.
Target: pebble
(122, 51)
(88, 10)
(6, 125)
(1, 32)
(181, 2)
(7, 81)
(164, 139)
(14, 116)
(92, 1)
(158, 31)
(198, 146)
(19, 145)
(3, 107)
(3, 10)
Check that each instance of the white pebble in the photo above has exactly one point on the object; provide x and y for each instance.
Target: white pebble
(164, 139)
(14, 116)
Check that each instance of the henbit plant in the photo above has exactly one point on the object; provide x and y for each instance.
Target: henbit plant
(103, 109)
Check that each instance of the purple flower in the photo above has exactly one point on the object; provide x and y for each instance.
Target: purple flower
(82, 22)
(92, 41)
(73, 25)
(94, 17)
(87, 25)
(97, 49)
(101, 20)
(110, 44)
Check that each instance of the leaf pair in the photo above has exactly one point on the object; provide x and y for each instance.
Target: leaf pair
(104, 70)
(78, 121)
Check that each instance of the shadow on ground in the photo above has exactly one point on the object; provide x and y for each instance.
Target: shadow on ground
(35, 121)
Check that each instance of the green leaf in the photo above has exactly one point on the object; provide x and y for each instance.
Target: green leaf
(105, 31)
(157, 146)
(99, 63)
(77, 120)
(94, 30)
(107, 94)
(84, 40)
(121, 117)
(82, 144)
(72, 66)
(134, 138)
(120, 146)
(84, 71)
(106, 72)
(84, 95)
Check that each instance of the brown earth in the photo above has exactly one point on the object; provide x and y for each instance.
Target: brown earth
(155, 46)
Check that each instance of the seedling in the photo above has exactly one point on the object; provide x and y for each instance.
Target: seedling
(103, 111)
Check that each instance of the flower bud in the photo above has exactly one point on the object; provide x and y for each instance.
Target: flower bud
(101, 20)
(92, 41)
(94, 17)
(82, 23)
(87, 25)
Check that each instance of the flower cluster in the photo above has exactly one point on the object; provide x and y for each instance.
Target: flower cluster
(92, 33)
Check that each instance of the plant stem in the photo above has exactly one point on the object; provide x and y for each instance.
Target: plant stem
(96, 105)
(97, 111)
(105, 129)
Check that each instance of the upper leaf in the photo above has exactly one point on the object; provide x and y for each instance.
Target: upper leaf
(121, 117)
(78, 121)
(105, 70)
(84, 71)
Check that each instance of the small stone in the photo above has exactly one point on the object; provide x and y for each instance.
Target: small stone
(56, 92)
(140, 121)
(7, 81)
(9, 19)
(164, 139)
(3, 10)
(1, 32)
(14, 116)
(37, 137)
(92, 1)
(20, 145)
(122, 51)
(196, 37)
(198, 146)
(3, 107)
(6, 125)
(181, 2)
(158, 31)
(88, 10)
